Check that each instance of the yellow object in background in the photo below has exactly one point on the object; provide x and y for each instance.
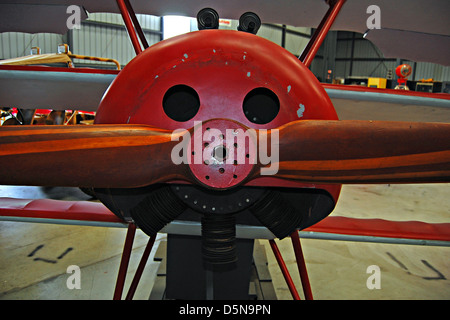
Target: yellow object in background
(377, 83)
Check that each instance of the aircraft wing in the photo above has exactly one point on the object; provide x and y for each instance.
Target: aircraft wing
(363, 103)
(404, 97)
(333, 227)
(58, 212)
(83, 88)
(412, 29)
(28, 87)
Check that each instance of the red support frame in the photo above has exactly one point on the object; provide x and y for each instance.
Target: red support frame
(321, 32)
(126, 15)
(140, 269)
(126, 254)
(136, 24)
(284, 270)
(128, 246)
(301, 265)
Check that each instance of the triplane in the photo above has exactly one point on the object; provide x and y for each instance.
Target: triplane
(210, 186)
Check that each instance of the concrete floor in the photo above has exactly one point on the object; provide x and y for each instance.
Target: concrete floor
(31, 266)
(338, 269)
(34, 257)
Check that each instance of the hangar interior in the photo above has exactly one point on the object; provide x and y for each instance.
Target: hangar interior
(35, 257)
(351, 58)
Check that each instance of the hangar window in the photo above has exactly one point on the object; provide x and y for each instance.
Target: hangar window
(181, 103)
(261, 106)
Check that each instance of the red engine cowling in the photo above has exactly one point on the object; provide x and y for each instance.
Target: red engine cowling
(221, 69)
(220, 74)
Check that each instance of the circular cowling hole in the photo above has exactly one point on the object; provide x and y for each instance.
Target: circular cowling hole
(261, 106)
(181, 103)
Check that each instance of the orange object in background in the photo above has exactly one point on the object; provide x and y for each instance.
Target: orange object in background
(403, 71)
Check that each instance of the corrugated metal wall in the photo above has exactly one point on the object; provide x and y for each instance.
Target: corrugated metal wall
(358, 57)
(101, 35)
(17, 44)
(426, 70)
(104, 35)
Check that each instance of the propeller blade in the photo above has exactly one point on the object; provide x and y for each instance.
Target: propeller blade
(315, 151)
(341, 151)
(103, 156)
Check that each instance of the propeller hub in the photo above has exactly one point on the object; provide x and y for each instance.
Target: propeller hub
(223, 153)
(220, 153)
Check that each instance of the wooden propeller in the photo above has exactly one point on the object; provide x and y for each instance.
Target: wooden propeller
(116, 156)
(127, 156)
(350, 151)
